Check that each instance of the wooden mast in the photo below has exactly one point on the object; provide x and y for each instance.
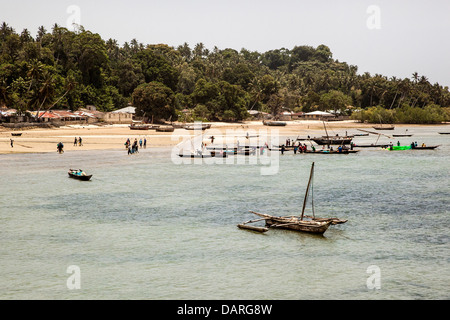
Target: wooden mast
(307, 190)
(326, 129)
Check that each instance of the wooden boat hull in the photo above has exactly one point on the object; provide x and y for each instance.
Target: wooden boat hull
(192, 156)
(384, 128)
(402, 135)
(306, 226)
(16, 134)
(334, 221)
(219, 154)
(330, 141)
(197, 126)
(295, 224)
(140, 127)
(81, 178)
(333, 152)
(243, 152)
(275, 123)
(444, 132)
(371, 146)
(425, 148)
(165, 129)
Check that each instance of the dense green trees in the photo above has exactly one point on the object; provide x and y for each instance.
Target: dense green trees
(65, 69)
(154, 99)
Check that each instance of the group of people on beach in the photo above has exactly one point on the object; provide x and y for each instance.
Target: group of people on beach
(78, 141)
(134, 148)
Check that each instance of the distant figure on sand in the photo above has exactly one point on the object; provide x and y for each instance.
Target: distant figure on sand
(60, 147)
(80, 141)
(12, 143)
(75, 142)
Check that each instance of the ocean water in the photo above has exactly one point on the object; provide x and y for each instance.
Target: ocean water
(145, 227)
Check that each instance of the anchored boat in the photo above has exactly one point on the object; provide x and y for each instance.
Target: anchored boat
(296, 223)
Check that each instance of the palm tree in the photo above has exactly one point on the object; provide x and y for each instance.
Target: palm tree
(415, 77)
(5, 31)
(46, 91)
(35, 69)
(3, 92)
(41, 33)
(256, 90)
(70, 84)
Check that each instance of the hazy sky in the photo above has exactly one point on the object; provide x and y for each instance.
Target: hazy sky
(393, 38)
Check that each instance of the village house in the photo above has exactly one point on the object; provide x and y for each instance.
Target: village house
(319, 115)
(120, 116)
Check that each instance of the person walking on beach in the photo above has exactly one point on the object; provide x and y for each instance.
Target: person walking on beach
(75, 142)
(80, 141)
(145, 143)
(135, 148)
(60, 147)
(12, 143)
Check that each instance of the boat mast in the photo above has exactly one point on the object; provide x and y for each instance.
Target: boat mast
(325, 129)
(307, 190)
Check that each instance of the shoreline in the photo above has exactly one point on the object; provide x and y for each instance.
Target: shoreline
(113, 137)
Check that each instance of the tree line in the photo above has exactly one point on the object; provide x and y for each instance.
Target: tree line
(71, 69)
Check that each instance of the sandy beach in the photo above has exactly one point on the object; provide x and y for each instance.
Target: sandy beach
(114, 136)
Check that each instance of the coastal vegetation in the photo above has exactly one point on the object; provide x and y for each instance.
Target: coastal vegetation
(68, 70)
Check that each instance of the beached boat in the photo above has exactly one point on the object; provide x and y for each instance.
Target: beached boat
(79, 175)
(197, 126)
(309, 224)
(274, 123)
(402, 135)
(444, 132)
(165, 129)
(16, 134)
(384, 127)
(140, 127)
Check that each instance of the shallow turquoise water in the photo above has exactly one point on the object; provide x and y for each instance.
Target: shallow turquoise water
(146, 228)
